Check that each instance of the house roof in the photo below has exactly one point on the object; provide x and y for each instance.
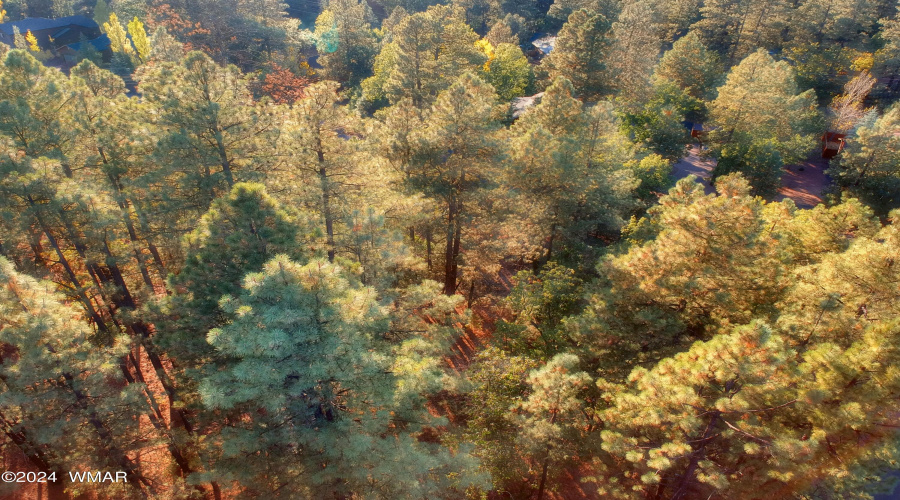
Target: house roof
(40, 23)
(100, 43)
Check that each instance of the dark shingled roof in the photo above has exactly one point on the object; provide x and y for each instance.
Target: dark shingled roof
(100, 43)
(40, 23)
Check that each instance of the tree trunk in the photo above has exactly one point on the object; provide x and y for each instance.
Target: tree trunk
(326, 200)
(129, 226)
(449, 256)
(545, 466)
(696, 456)
(55, 489)
(145, 228)
(223, 158)
(428, 248)
(73, 278)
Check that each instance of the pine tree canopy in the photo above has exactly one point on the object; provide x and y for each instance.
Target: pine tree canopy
(451, 250)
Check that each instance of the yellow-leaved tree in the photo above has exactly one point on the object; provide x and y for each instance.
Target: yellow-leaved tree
(139, 38)
(118, 39)
(32, 42)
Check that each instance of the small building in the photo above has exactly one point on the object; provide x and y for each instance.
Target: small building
(52, 34)
(101, 44)
(696, 130)
(832, 144)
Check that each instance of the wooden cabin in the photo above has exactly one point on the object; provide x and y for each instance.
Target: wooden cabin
(832, 144)
(51, 34)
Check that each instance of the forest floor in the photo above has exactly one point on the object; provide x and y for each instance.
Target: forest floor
(804, 182)
(695, 164)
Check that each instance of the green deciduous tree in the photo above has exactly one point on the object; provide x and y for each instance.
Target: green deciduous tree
(509, 72)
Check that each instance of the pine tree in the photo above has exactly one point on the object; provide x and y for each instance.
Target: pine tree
(129, 9)
(322, 421)
(164, 47)
(634, 52)
(868, 166)
(500, 380)
(348, 57)
(565, 8)
(539, 301)
(691, 66)
(63, 8)
(211, 133)
(843, 22)
(460, 149)
(101, 13)
(432, 49)
(32, 106)
(87, 51)
(736, 29)
(62, 403)
(759, 111)
(711, 262)
(108, 151)
(553, 414)
(580, 52)
(319, 139)
(567, 178)
(397, 140)
(760, 162)
(744, 415)
(239, 233)
(838, 295)
(501, 32)
(673, 18)
(657, 124)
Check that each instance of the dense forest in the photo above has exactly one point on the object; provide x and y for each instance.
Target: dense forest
(440, 250)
